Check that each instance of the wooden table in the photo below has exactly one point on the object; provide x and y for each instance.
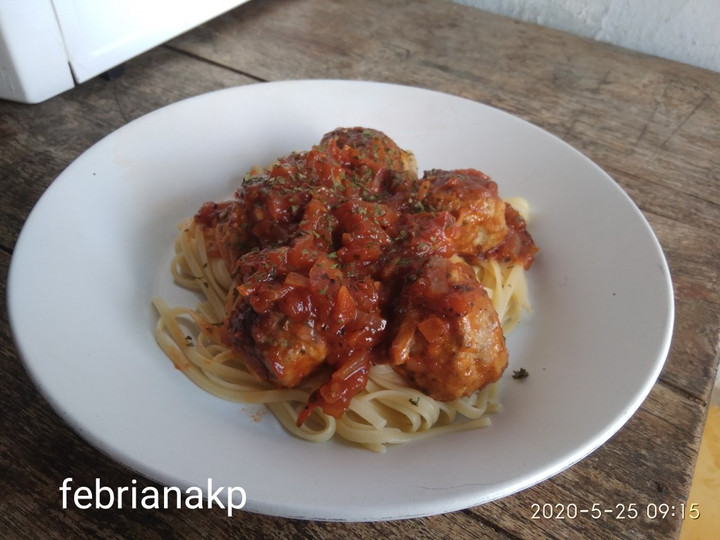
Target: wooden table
(654, 125)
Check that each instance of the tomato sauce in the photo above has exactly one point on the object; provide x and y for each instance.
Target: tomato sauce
(323, 244)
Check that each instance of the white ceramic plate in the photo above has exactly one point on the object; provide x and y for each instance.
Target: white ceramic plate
(97, 246)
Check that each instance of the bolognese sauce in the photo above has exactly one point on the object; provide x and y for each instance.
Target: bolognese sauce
(343, 257)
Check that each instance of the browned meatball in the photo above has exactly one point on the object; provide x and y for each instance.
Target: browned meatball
(363, 147)
(472, 198)
(275, 349)
(449, 341)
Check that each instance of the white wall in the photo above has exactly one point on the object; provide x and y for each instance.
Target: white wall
(684, 30)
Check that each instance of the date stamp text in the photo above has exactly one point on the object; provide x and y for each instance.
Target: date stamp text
(629, 511)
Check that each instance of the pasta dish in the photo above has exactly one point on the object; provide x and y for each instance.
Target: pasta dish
(352, 296)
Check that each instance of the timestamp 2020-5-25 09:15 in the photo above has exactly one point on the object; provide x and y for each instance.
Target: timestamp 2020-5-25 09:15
(629, 511)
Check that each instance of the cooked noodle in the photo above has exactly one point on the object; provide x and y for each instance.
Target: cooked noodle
(387, 411)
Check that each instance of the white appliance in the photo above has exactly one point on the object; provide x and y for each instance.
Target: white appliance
(49, 46)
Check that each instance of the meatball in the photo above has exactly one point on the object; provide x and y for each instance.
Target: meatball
(449, 341)
(275, 348)
(368, 147)
(472, 198)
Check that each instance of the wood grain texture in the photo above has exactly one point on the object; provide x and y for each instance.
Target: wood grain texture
(654, 125)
